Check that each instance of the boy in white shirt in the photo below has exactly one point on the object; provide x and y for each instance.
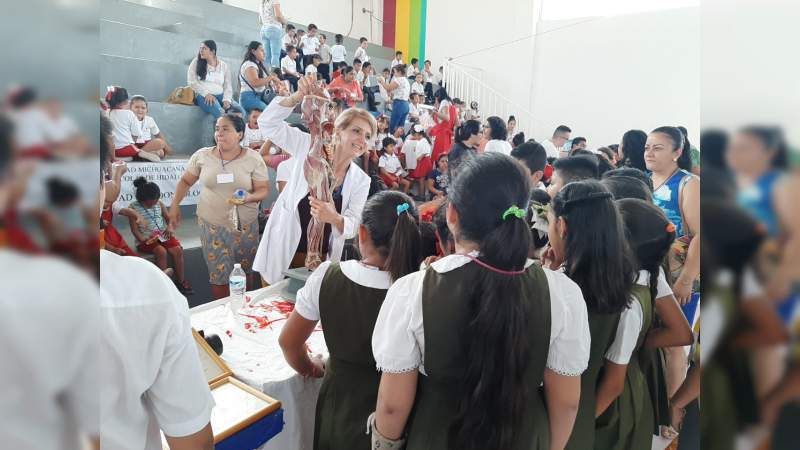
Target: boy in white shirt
(357, 71)
(310, 45)
(391, 171)
(398, 59)
(338, 52)
(413, 69)
(361, 51)
(151, 139)
(288, 38)
(418, 86)
(316, 60)
(289, 67)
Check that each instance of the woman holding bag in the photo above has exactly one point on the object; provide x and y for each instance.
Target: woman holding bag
(254, 78)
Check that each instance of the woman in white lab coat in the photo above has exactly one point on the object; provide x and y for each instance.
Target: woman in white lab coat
(283, 243)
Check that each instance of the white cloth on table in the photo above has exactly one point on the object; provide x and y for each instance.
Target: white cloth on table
(151, 373)
(398, 341)
(307, 304)
(256, 359)
(48, 325)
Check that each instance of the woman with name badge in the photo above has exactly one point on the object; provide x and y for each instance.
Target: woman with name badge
(234, 181)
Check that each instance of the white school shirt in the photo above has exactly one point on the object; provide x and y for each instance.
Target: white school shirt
(62, 128)
(411, 71)
(361, 54)
(251, 135)
(310, 45)
(307, 304)
(287, 40)
(149, 129)
(390, 163)
(152, 378)
(498, 146)
(50, 369)
(288, 65)
(632, 318)
(550, 149)
(418, 88)
(311, 69)
(218, 80)
(395, 62)
(30, 127)
(282, 233)
(243, 85)
(338, 53)
(125, 127)
(398, 341)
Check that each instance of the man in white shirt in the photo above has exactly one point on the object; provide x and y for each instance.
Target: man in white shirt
(288, 38)
(554, 145)
(361, 51)
(310, 45)
(289, 66)
(398, 59)
(429, 78)
(151, 377)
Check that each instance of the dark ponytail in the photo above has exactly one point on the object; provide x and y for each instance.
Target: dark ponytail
(249, 56)
(679, 142)
(392, 221)
(493, 394)
(650, 235)
(201, 69)
(116, 96)
(633, 142)
(597, 257)
(772, 138)
(146, 190)
(467, 129)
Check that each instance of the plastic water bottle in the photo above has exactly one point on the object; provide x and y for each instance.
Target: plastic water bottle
(237, 283)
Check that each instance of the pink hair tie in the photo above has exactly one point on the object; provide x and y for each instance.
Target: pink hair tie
(494, 269)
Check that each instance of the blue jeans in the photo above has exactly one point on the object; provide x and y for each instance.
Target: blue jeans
(272, 38)
(215, 108)
(250, 100)
(399, 113)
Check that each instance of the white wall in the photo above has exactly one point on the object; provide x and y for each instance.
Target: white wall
(601, 77)
(334, 16)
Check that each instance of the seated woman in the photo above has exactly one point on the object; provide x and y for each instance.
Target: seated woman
(347, 88)
(210, 79)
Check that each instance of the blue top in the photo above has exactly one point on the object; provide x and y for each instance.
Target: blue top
(440, 180)
(154, 219)
(667, 198)
(758, 200)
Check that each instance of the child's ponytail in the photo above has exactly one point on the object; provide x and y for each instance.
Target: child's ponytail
(392, 221)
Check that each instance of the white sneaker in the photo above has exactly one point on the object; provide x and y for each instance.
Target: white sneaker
(149, 156)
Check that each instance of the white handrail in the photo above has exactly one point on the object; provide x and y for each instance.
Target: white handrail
(468, 88)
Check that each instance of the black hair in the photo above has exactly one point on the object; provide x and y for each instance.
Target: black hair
(365, 65)
(316, 57)
(541, 197)
(396, 236)
(576, 168)
(22, 97)
(322, 35)
(138, 98)
(301, 31)
(201, 69)
(386, 69)
(255, 108)
(531, 154)
(595, 232)
(290, 27)
(346, 70)
(511, 117)
(603, 165)
(7, 146)
(687, 146)
(106, 146)
(628, 187)
(442, 229)
(713, 144)
(614, 147)
(632, 144)
(441, 95)
(678, 143)
(398, 53)
(311, 26)
(633, 173)
(116, 96)
(578, 140)
(146, 190)
(356, 61)
(518, 139)
(249, 56)
(289, 48)
(277, 72)
(399, 68)
(339, 38)
(61, 192)
(773, 140)
(427, 61)
(467, 130)
(361, 40)
(650, 236)
(608, 152)
(580, 152)
(562, 129)
(493, 391)
(414, 60)
(237, 121)
(498, 128)
(387, 141)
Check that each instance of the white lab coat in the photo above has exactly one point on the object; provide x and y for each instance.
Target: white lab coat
(282, 233)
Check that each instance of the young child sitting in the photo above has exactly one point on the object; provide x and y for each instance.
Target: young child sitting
(151, 140)
(252, 134)
(391, 170)
(112, 239)
(126, 128)
(156, 234)
(438, 178)
(418, 86)
(316, 60)
(417, 151)
(65, 224)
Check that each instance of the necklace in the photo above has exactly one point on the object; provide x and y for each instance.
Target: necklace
(655, 188)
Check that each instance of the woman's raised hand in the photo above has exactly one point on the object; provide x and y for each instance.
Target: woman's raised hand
(308, 85)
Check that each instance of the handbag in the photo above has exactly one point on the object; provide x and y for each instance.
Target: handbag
(183, 95)
(265, 96)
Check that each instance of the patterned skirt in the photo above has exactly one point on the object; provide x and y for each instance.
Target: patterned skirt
(223, 247)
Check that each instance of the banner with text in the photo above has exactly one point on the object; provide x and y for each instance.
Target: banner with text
(166, 174)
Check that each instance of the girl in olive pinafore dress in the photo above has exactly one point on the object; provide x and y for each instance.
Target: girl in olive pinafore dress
(346, 297)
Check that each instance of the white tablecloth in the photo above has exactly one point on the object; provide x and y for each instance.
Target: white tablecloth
(254, 356)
